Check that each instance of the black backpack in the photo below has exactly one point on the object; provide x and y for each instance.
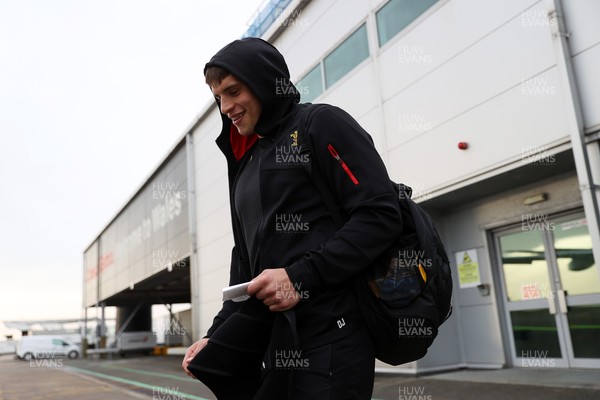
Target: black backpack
(406, 295)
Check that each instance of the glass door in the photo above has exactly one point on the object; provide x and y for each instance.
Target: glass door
(577, 290)
(551, 289)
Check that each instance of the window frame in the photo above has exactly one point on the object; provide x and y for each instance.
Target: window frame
(308, 71)
(408, 28)
(321, 60)
(363, 22)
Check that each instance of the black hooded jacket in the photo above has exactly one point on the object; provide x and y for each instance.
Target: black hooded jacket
(296, 230)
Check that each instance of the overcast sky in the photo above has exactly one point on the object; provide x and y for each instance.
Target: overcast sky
(93, 94)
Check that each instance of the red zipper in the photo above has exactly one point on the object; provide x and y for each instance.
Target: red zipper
(335, 155)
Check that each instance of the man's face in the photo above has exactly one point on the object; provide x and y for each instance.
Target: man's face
(239, 104)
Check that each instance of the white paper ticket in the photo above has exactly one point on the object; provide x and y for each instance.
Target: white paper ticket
(236, 292)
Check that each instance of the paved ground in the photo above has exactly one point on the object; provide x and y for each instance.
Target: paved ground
(160, 378)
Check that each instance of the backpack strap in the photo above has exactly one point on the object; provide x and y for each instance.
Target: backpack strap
(312, 168)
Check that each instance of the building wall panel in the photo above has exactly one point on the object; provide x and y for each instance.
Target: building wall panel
(508, 127)
(581, 18)
(586, 67)
(449, 30)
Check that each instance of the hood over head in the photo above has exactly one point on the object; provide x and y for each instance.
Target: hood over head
(262, 67)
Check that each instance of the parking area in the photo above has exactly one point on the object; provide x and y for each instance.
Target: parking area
(161, 378)
(49, 379)
(142, 377)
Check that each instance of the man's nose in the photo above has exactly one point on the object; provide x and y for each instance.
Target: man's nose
(226, 105)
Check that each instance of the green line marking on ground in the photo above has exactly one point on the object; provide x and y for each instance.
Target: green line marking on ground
(140, 384)
(150, 373)
(134, 383)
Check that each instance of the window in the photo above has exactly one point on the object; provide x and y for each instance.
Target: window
(396, 15)
(346, 56)
(311, 86)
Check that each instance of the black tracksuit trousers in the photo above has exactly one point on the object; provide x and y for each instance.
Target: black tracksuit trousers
(233, 366)
(343, 370)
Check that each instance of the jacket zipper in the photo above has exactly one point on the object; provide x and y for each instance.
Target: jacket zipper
(335, 155)
(254, 268)
(237, 240)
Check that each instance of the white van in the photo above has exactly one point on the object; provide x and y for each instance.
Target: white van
(45, 346)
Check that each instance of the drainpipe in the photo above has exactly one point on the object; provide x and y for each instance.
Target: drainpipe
(194, 266)
(564, 64)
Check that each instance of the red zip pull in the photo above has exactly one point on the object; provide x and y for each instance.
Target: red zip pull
(335, 155)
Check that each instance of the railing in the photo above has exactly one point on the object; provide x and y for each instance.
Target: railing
(265, 17)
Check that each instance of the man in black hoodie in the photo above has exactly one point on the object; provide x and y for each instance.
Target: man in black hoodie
(300, 335)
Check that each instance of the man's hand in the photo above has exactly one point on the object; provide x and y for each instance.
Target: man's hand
(274, 288)
(191, 353)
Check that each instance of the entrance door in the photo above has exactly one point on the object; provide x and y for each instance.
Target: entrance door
(551, 289)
